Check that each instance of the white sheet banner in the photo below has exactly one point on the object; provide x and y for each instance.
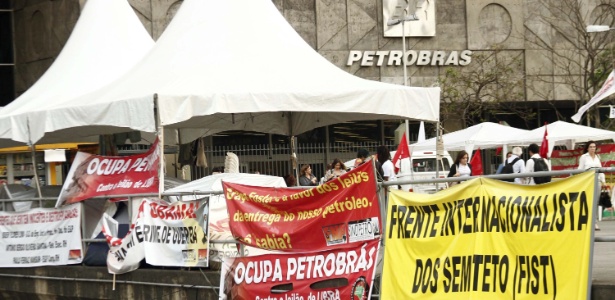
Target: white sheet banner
(162, 233)
(606, 90)
(41, 237)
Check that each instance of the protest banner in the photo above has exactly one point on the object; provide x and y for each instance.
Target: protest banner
(569, 159)
(489, 239)
(41, 237)
(95, 175)
(339, 212)
(342, 273)
(162, 233)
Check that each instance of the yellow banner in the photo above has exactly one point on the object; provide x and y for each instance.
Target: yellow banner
(489, 239)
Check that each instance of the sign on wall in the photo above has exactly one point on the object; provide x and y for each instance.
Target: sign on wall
(425, 10)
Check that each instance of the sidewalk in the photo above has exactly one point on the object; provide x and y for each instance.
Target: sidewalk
(603, 269)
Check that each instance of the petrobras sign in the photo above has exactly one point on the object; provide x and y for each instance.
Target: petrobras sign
(413, 57)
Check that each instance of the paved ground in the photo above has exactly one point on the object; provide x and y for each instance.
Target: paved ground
(603, 269)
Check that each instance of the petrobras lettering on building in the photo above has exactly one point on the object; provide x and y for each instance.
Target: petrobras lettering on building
(413, 57)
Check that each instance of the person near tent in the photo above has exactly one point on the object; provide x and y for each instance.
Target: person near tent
(533, 150)
(461, 167)
(337, 169)
(363, 156)
(590, 159)
(519, 165)
(307, 178)
(501, 166)
(384, 158)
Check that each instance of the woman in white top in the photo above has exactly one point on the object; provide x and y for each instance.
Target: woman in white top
(591, 160)
(461, 167)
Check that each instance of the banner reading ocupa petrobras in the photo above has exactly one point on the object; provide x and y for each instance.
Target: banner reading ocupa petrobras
(342, 273)
(96, 175)
(41, 237)
(488, 239)
(340, 212)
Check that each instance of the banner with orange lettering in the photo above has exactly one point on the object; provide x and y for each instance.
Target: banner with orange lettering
(339, 212)
(97, 175)
(342, 273)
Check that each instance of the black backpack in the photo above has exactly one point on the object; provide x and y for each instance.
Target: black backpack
(508, 169)
(539, 166)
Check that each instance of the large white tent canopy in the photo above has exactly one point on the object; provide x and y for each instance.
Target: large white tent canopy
(235, 65)
(107, 41)
(485, 135)
(562, 133)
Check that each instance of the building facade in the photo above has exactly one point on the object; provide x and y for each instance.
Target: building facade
(542, 64)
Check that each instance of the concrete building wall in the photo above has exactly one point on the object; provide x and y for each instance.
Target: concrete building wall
(334, 28)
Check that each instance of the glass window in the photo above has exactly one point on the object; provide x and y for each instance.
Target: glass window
(6, 38)
(7, 93)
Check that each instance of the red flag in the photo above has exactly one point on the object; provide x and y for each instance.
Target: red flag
(401, 153)
(544, 147)
(498, 151)
(477, 163)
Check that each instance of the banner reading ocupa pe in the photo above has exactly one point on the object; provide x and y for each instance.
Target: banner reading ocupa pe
(96, 175)
(488, 239)
(342, 211)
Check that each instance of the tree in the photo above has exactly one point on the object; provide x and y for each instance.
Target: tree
(491, 84)
(575, 62)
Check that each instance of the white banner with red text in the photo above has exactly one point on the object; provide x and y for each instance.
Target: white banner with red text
(41, 237)
(162, 233)
(96, 175)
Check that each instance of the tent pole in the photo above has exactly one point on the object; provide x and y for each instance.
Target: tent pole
(439, 150)
(294, 163)
(160, 129)
(34, 167)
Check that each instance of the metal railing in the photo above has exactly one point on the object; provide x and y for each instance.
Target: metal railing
(381, 195)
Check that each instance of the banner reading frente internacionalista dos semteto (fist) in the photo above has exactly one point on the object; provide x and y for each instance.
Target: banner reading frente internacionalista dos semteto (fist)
(339, 212)
(488, 239)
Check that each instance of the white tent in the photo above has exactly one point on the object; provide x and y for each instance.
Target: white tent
(484, 135)
(236, 65)
(219, 229)
(562, 133)
(106, 42)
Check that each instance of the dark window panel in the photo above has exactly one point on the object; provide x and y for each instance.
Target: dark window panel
(6, 38)
(7, 90)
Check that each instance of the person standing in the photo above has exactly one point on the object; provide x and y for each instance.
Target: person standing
(461, 167)
(337, 169)
(499, 171)
(590, 159)
(519, 166)
(534, 151)
(384, 158)
(307, 178)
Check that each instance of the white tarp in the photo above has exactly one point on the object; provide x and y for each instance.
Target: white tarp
(484, 135)
(106, 42)
(41, 237)
(237, 65)
(562, 133)
(218, 215)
